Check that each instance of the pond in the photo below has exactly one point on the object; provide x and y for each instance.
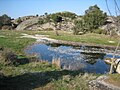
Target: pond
(84, 58)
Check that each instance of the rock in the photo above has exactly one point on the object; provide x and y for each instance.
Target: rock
(27, 23)
(111, 26)
(117, 62)
(100, 84)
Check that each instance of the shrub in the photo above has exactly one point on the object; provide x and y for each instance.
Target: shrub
(78, 29)
(10, 58)
(6, 27)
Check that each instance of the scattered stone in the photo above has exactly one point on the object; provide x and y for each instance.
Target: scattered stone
(100, 84)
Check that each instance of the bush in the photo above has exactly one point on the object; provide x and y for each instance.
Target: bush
(10, 58)
(6, 27)
(78, 29)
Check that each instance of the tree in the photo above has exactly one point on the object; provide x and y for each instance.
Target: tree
(40, 22)
(117, 24)
(1, 22)
(79, 27)
(94, 18)
(6, 20)
(45, 13)
(57, 20)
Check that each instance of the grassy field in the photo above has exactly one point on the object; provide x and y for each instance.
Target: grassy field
(13, 40)
(90, 38)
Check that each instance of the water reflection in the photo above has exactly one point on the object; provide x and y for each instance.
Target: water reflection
(89, 59)
(92, 58)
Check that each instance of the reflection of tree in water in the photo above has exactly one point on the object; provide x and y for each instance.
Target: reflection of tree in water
(92, 58)
(54, 45)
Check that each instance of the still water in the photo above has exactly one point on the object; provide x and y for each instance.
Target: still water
(87, 59)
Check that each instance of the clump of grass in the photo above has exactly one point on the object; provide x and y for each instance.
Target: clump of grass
(27, 68)
(68, 82)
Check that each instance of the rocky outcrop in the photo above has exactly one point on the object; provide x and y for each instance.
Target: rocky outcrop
(33, 24)
(27, 23)
(100, 84)
(63, 26)
(112, 25)
(16, 21)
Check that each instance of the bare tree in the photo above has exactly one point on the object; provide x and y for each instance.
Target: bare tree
(117, 25)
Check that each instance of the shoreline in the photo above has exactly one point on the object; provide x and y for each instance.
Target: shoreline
(46, 39)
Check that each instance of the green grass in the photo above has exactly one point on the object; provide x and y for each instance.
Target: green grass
(13, 40)
(9, 70)
(90, 38)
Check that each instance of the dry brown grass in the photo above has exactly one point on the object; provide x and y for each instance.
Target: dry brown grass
(114, 79)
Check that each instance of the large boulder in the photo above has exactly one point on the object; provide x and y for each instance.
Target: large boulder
(117, 62)
(27, 23)
(112, 25)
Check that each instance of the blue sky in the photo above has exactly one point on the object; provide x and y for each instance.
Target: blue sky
(18, 8)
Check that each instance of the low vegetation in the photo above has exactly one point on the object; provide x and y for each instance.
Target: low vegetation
(13, 40)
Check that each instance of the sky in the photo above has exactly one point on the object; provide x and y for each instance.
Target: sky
(18, 8)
